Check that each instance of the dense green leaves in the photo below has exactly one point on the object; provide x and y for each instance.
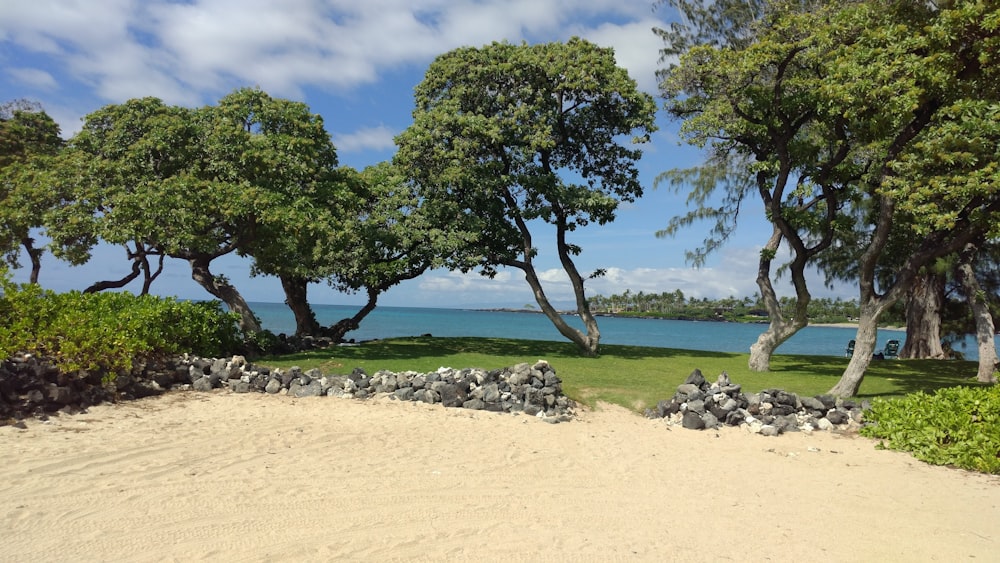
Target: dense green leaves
(504, 129)
(253, 175)
(958, 426)
(109, 332)
(29, 139)
(292, 197)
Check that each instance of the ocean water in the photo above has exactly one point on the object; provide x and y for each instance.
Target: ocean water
(388, 322)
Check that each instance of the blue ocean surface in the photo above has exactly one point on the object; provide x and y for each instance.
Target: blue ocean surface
(389, 322)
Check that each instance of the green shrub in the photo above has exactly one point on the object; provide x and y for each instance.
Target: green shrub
(262, 342)
(109, 331)
(957, 426)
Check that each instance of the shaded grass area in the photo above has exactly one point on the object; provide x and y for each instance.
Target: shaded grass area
(635, 377)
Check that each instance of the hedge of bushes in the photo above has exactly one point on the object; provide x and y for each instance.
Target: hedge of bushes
(956, 426)
(109, 331)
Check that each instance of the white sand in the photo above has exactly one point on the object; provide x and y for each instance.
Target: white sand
(226, 477)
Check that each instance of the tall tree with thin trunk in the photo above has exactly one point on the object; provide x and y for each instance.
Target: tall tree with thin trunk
(985, 329)
(752, 98)
(29, 139)
(520, 134)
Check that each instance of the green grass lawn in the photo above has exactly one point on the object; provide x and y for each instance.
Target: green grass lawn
(635, 377)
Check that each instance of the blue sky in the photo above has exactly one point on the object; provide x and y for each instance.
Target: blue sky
(356, 63)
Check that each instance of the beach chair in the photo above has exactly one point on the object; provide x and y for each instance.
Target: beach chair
(891, 351)
(849, 351)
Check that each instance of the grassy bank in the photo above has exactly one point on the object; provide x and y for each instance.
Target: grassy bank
(635, 377)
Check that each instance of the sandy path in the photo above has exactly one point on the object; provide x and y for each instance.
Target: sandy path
(229, 477)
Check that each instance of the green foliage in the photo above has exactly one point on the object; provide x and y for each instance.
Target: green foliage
(29, 139)
(718, 23)
(261, 342)
(109, 331)
(958, 426)
(513, 133)
(854, 114)
(673, 305)
(395, 234)
(293, 198)
(254, 175)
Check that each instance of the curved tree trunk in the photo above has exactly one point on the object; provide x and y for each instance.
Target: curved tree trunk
(140, 265)
(864, 349)
(924, 302)
(148, 276)
(224, 291)
(592, 339)
(35, 255)
(587, 343)
(296, 290)
(343, 326)
(779, 330)
(116, 284)
(985, 329)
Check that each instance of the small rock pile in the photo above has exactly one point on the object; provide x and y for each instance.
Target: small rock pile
(699, 405)
(32, 387)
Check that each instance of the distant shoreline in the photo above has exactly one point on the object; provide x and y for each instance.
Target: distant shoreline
(762, 321)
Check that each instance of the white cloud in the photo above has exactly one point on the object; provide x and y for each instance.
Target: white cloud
(33, 77)
(68, 119)
(192, 52)
(368, 138)
(733, 273)
(54, 27)
(636, 49)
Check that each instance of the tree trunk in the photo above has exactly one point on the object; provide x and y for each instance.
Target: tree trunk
(149, 276)
(864, 348)
(344, 326)
(296, 289)
(35, 255)
(924, 303)
(779, 330)
(140, 265)
(116, 284)
(985, 329)
(587, 343)
(222, 290)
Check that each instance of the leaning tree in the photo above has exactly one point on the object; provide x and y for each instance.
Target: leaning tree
(519, 134)
(29, 140)
(920, 87)
(395, 236)
(979, 303)
(890, 86)
(746, 86)
(136, 176)
(282, 158)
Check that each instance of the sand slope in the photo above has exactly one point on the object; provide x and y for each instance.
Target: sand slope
(226, 477)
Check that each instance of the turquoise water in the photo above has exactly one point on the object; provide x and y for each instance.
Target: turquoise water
(387, 322)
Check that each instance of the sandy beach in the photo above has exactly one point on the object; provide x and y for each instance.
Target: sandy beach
(246, 477)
